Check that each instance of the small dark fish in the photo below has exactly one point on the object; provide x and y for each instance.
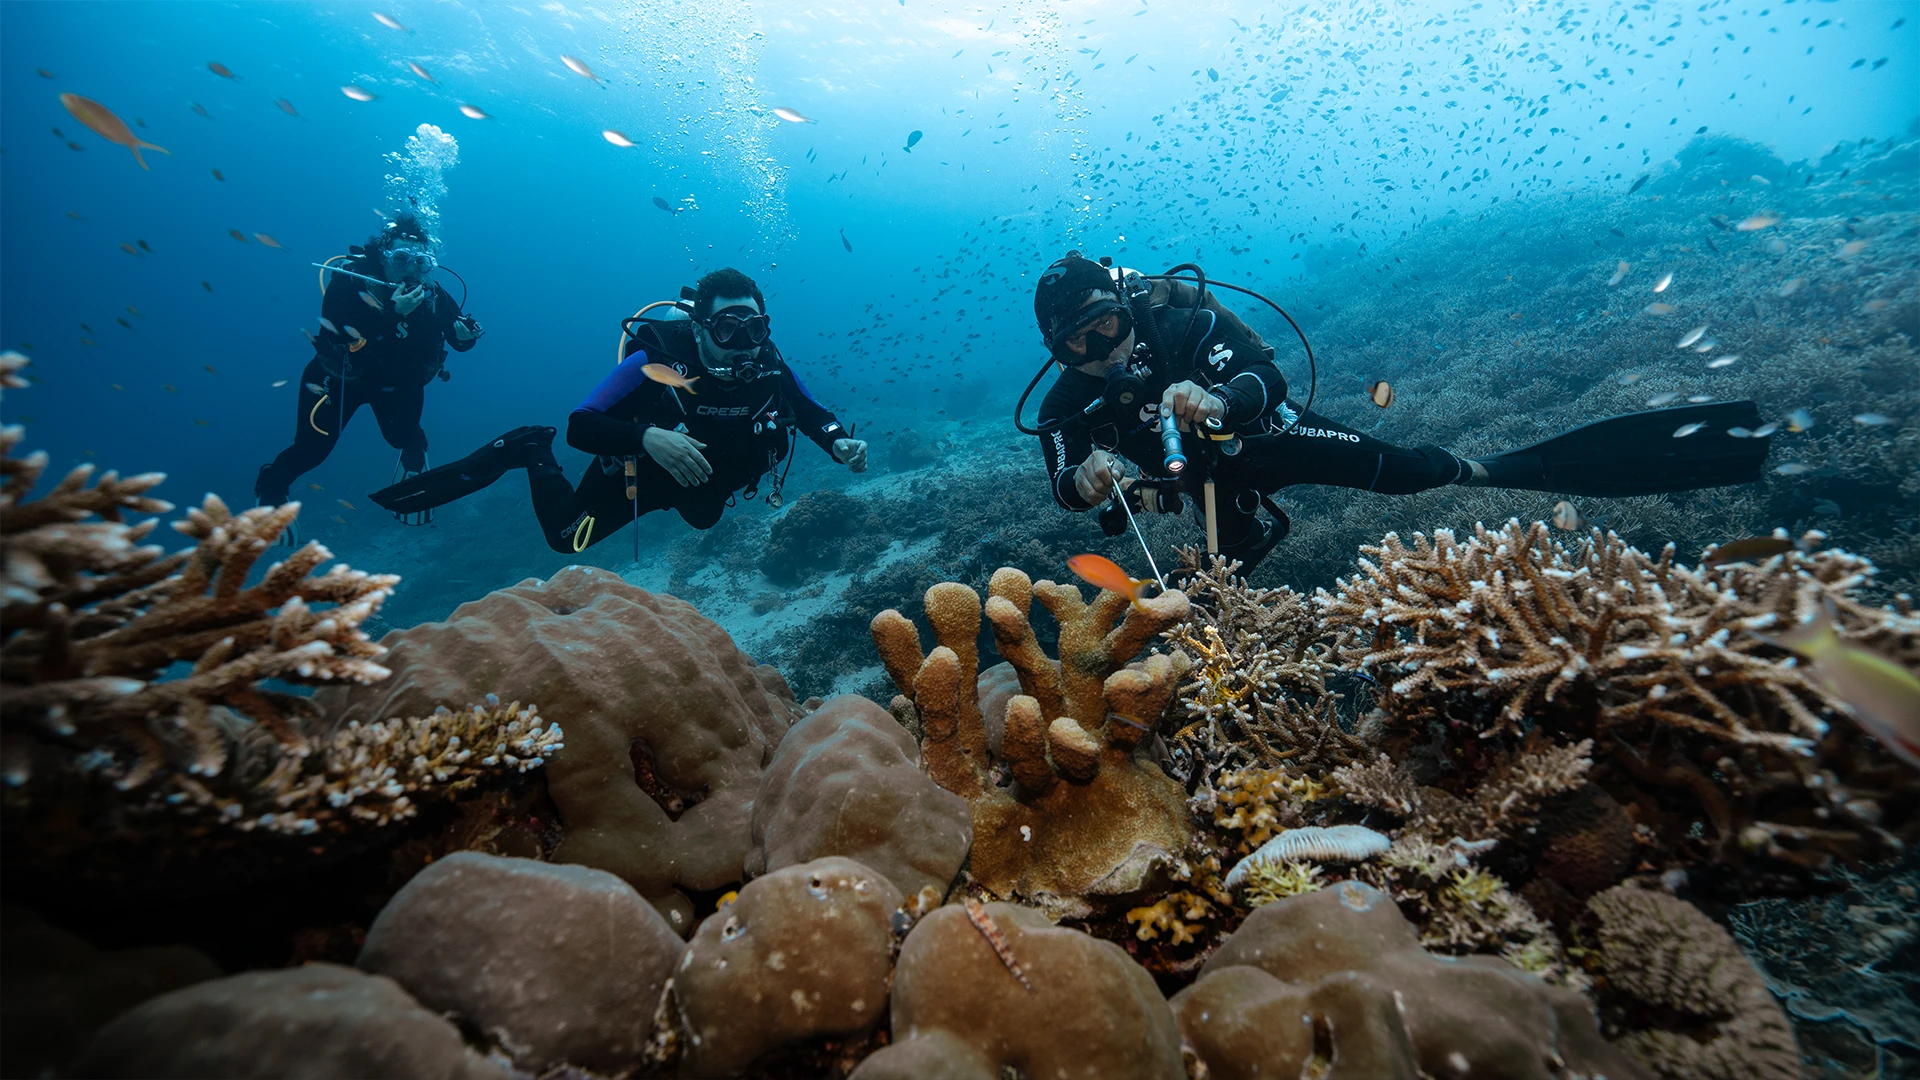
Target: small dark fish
(286, 106)
(665, 205)
(1748, 550)
(144, 246)
(913, 138)
(202, 110)
(217, 176)
(207, 286)
(844, 242)
(1212, 75)
(1616, 232)
(58, 134)
(221, 70)
(1640, 183)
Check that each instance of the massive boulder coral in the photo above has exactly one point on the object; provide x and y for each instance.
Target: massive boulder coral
(805, 952)
(668, 724)
(847, 781)
(984, 990)
(1335, 980)
(1089, 814)
(321, 1020)
(1681, 996)
(1693, 714)
(554, 964)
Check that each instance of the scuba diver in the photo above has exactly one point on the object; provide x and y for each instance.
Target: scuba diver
(385, 327)
(1146, 362)
(658, 439)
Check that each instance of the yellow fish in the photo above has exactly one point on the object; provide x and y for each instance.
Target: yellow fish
(347, 504)
(340, 519)
(1882, 696)
(315, 487)
(663, 374)
(108, 126)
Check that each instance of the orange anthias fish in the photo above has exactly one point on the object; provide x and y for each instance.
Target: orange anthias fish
(108, 126)
(665, 375)
(1100, 571)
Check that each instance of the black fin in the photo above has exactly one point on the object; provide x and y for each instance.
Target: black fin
(1638, 454)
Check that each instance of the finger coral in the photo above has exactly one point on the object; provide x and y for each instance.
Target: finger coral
(1088, 814)
(1689, 1004)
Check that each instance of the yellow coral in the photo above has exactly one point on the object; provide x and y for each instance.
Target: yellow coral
(1250, 802)
(1167, 913)
(1268, 882)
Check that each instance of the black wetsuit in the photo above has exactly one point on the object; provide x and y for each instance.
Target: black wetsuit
(1283, 445)
(745, 424)
(390, 372)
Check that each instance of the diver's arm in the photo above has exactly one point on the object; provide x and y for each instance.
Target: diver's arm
(1063, 448)
(341, 305)
(596, 425)
(1249, 389)
(816, 421)
(449, 314)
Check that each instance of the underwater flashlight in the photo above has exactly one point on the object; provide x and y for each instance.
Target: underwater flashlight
(1176, 458)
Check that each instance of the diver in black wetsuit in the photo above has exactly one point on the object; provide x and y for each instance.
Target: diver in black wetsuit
(1131, 350)
(698, 409)
(382, 355)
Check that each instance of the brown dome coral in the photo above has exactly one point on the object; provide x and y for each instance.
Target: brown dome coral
(668, 725)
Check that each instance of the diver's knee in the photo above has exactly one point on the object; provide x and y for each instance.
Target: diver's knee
(703, 516)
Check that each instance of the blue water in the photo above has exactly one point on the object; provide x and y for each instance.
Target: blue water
(1267, 143)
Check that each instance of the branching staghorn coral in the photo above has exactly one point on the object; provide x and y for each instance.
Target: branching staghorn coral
(1502, 803)
(1257, 694)
(1661, 665)
(1088, 813)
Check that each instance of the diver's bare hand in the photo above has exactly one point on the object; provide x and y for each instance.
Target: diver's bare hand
(406, 300)
(1097, 475)
(679, 454)
(1191, 404)
(852, 453)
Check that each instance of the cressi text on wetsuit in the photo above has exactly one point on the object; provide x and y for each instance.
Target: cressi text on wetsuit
(390, 372)
(744, 422)
(1283, 445)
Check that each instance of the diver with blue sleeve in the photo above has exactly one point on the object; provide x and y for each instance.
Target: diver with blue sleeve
(700, 407)
(385, 328)
(1157, 371)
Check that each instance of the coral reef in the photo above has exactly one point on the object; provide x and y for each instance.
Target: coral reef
(56, 989)
(821, 532)
(1660, 957)
(1694, 716)
(802, 953)
(1087, 1011)
(668, 725)
(313, 1021)
(1088, 814)
(1257, 695)
(847, 781)
(1334, 982)
(550, 964)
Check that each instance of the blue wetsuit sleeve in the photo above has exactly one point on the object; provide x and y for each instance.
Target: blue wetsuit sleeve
(816, 421)
(614, 418)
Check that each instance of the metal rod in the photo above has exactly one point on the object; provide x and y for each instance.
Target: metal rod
(1121, 494)
(1213, 524)
(353, 274)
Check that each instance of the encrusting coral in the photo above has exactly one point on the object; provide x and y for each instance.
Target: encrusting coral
(1663, 667)
(1682, 997)
(1088, 814)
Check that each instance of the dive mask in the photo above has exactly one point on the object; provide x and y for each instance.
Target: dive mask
(411, 263)
(733, 330)
(1103, 326)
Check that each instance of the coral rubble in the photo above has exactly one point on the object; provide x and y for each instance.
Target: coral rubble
(1088, 813)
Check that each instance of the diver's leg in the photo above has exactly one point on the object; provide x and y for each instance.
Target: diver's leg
(398, 409)
(526, 447)
(317, 417)
(576, 520)
(1317, 450)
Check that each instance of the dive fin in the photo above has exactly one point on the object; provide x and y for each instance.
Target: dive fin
(445, 483)
(1636, 454)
